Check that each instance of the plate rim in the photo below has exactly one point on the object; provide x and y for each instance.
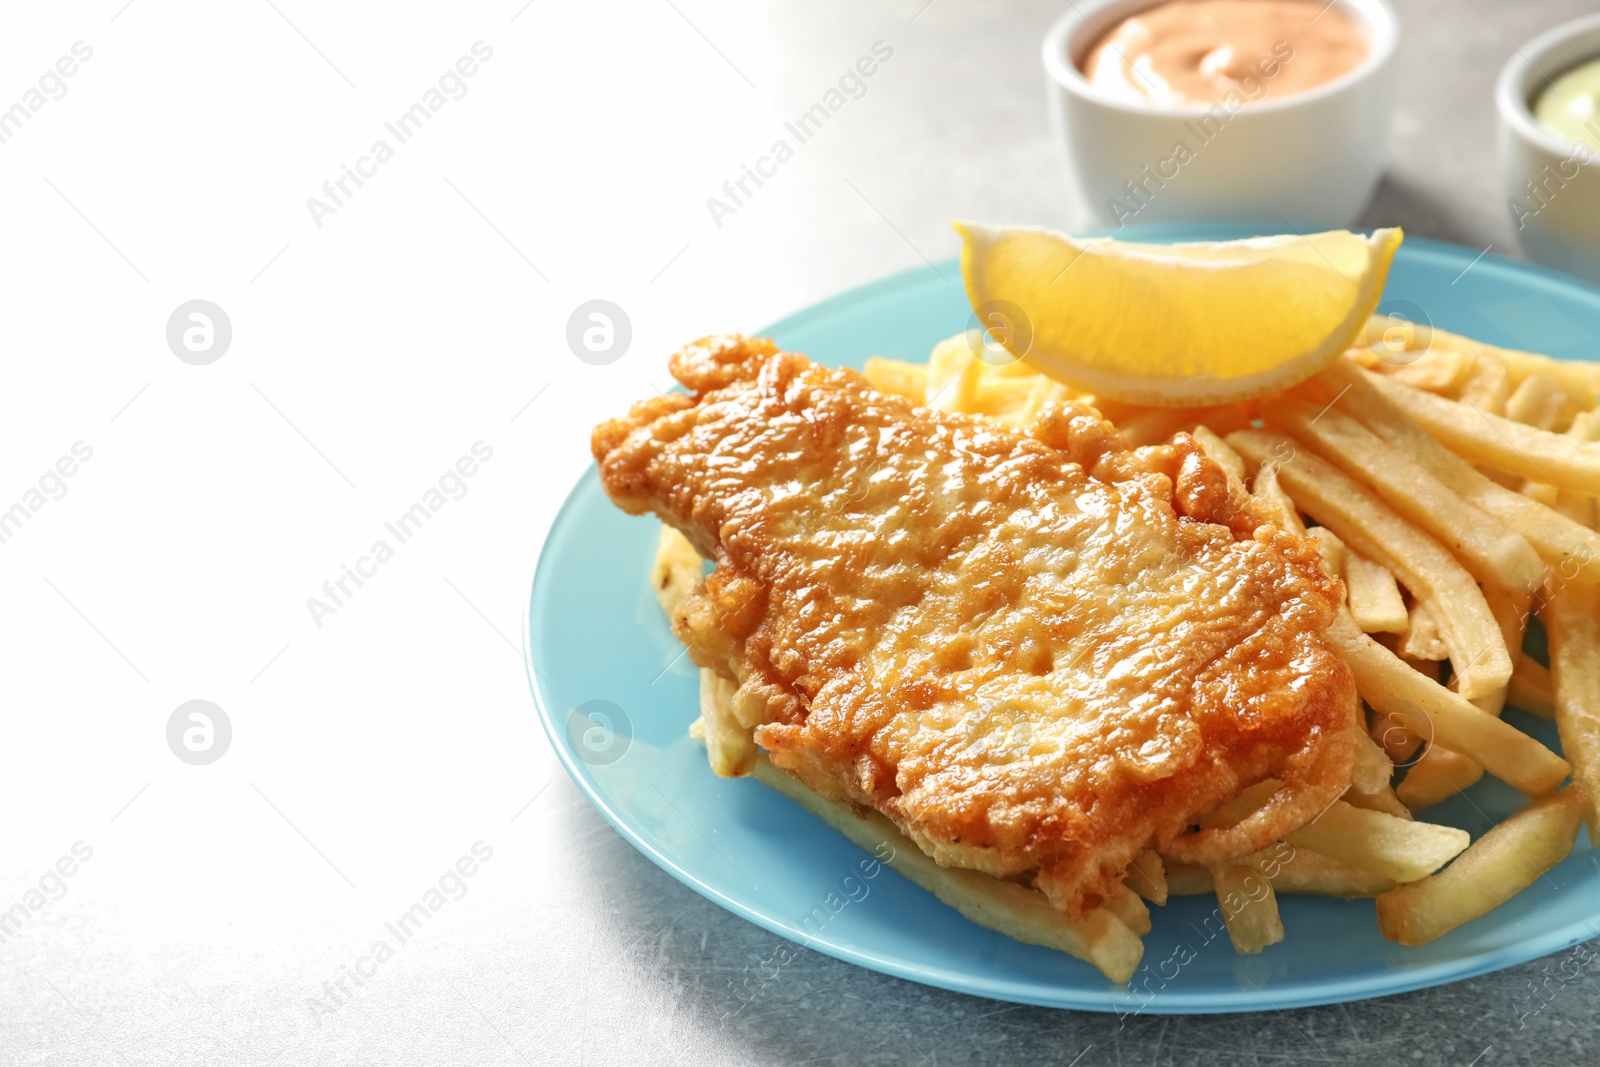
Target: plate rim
(1111, 999)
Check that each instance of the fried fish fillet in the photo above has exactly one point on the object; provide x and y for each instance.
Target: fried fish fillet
(1037, 653)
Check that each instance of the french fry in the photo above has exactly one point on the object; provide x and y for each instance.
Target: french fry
(1313, 872)
(1365, 523)
(1114, 411)
(953, 373)
(1498, 866)
(1532, 689)
(1219, 452)
(1492, 554)
(999, 396)
(1373, 768)
(1576, 506)
(1125, 904)
(1231, 463)
(1509, 481)
(1511, 611)
(1304, 871)
(1580, 380)
(676, 569)
(1331, 549)
(1249, 907)
(1440, 371)
(1365, 358)
(1308, 871)
(1273, 501)
(1247, 801)
(1499, 442)
(1375, 600)
(1394, 848)
(1439, 775)
(1567, 547)
(1154, 426)
(1388, 336)
(1398, 737)
(1575, 670)
(1099, 938)
(1147, 876)
(898, 378)
(1537, 401)
(1385, 800)
(1001, 364)
(1405, 351)
(1541, 492)
(1444, 717)
(1421, 639)
(730, 747)
(1488, 387)
(1042, 393)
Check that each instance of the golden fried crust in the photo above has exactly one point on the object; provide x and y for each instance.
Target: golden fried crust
(1034, 670)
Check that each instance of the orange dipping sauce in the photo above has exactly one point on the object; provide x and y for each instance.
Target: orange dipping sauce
(1201, 51)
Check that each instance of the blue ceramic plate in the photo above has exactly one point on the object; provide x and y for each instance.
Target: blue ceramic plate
(617, 695)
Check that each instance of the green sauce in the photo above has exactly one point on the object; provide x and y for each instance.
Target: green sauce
(1570, 108)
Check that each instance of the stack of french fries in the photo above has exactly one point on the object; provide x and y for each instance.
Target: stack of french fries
(1452, 485)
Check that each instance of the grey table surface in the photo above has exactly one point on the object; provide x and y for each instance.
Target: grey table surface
(571, 947)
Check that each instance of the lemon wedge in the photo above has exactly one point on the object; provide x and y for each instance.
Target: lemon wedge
(1181, 325)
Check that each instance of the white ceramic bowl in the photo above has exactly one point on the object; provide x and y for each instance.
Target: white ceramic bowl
(1309, 160)
(1558, 220)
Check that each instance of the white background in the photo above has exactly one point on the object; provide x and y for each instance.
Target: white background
(369, 354)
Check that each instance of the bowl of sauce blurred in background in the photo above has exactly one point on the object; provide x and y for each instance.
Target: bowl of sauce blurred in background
(1548, 97)
(1244, 110)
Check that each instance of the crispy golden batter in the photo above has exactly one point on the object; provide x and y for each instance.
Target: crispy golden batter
(1037, 653)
